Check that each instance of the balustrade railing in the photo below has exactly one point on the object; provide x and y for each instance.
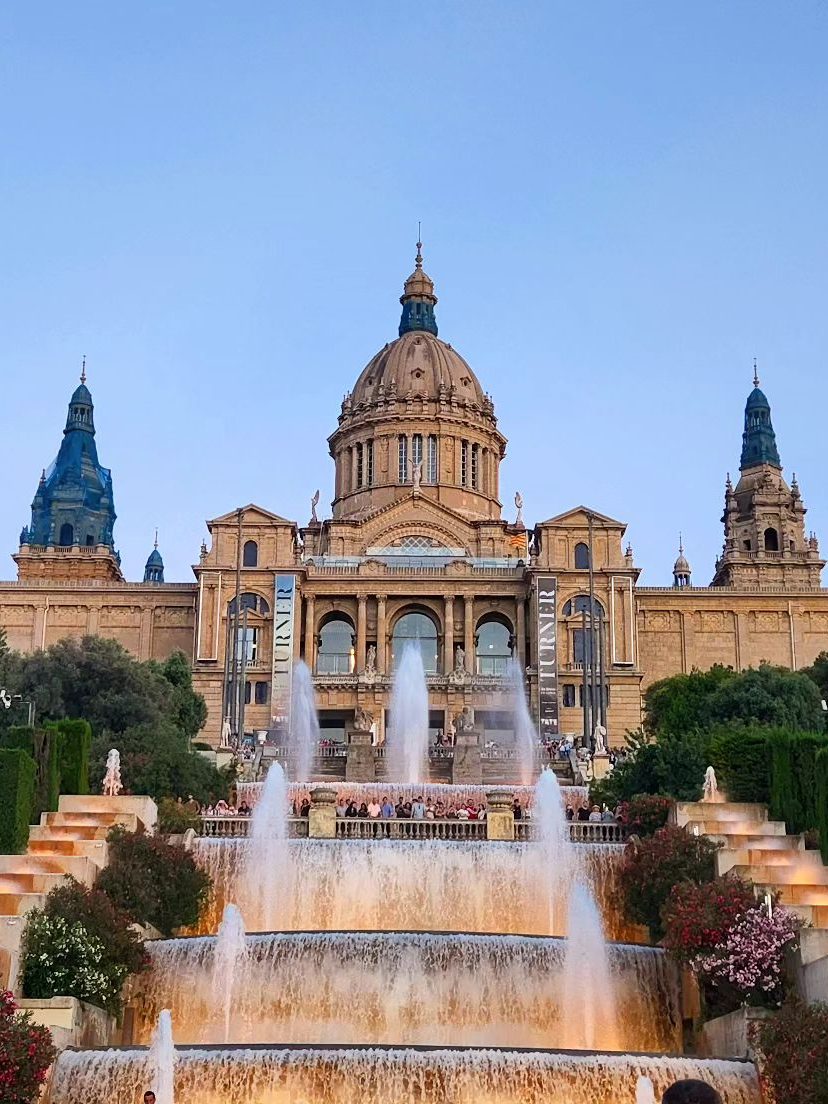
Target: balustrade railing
(356, 828)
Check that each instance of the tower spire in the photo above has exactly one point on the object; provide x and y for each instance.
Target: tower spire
(755, 373)
(83, 369)
(418, 298)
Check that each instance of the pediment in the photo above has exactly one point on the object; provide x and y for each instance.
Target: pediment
(578, 517)
(251, 515)
(417, 517)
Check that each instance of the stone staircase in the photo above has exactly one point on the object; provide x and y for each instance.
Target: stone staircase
(760, 850)
(71, 841)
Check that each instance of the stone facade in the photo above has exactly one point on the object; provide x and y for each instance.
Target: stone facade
(417, 549)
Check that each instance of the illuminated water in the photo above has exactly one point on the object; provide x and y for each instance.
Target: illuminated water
(407, 742)
(263, 880)
(304, 722)
(227, 961)
(526, 737)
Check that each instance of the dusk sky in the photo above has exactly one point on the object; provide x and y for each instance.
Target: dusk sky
(622, 204)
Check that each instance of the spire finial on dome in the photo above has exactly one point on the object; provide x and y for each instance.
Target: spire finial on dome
(155, 545)
(83, 369)
(418, 260)
(755, 373)
(681, 544)
(418, 298)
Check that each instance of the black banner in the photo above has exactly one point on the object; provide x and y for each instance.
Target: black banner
(547, 656)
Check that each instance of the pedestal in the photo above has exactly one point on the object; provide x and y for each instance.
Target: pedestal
(322, 815)
(466, 764)
(600, 766)
(359, 756)
(500, 819)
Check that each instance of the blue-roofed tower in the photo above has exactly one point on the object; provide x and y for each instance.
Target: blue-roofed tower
(154, 569)
(764, 518)
(73, 513)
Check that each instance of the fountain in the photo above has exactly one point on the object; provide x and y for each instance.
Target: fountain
(407, 752)
(265, 877)
(526, 737)
(304, 722)
(229, 953)
(644, 1091)
(588, 984)
(412, 969)
(558, 862)
(162, 1060)
(711, 786)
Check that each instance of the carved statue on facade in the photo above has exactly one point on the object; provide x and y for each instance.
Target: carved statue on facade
(464, 721)
(519, 504)
(371, 660)
(363, 720)
(599, 739)
(314, 504)
(417, 475)
(459, 660)
(225, 732)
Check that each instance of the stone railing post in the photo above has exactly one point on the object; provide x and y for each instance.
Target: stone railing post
(500, 819)
(466, 764)
(322, 815)
(359, 757)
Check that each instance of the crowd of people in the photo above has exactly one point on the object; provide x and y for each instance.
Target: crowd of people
(418, 809)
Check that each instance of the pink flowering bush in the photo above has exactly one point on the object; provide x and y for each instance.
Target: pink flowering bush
(747, 966)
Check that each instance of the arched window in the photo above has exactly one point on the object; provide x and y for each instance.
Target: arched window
(250, 554)
(582, 556)
(335, 655)
(771, 540)
(250, 601)
(67, 535)
(493, 646)
(419, 630)
(580, 604)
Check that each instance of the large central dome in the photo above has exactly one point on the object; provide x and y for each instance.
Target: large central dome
(417, 416)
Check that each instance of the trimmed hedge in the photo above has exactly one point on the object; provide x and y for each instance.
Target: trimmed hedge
(821, 795)
(75, 749)
(17, 793)
(740, 758)
(43, 746)
(792, 778)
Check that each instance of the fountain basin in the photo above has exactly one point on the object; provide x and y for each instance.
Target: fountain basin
(374, 1075)
(400, 988)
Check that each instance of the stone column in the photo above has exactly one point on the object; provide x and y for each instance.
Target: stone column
(520, 631)
(448, 637)
(500, 819)
(361, 642)
(359, 757)
(466, 764)
(468, 632)
(382, 644)
(322, 816)
(310, 635)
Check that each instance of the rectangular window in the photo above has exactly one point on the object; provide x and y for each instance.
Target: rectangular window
(247, 693)
(369, 463)
(248, 645)
(416, 450)
(360, 467)
(261, 692)
(464, 463)
(569, 695)
(475, 466)
(578, 649)
(431, 466)
(402, 466)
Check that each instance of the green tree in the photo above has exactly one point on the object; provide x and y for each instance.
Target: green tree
(763, 695)
(818, 673)
(673, 766)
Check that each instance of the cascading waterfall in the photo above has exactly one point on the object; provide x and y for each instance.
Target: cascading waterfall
(407, 752)
(369, 987)
(644, 1091)
(162, 1060)
(526, 737)
(229, 954)
(422, 885)
(588, 984)
(371, 1075)
(304, 722)
(264, 878)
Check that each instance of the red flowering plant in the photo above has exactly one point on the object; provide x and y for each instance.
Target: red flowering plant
(652, 866)
(26, 1052)
(644, 814)
(697, 918)
(794, 1046)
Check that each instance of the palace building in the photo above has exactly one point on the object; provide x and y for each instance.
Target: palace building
(416, 550)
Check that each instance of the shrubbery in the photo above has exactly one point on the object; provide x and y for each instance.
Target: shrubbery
(17, 790)
(795, 1046)
(154, 882)
(26, 1052)
(651, 868)
(80, 944)
(75, 750)
(175, 818)
(43, 746)
(644, 814)
(697, 917)
(673, 766)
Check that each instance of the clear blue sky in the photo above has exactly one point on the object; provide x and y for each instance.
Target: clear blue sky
(622, 204)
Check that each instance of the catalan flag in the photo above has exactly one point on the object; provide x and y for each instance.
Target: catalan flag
(519, 542)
